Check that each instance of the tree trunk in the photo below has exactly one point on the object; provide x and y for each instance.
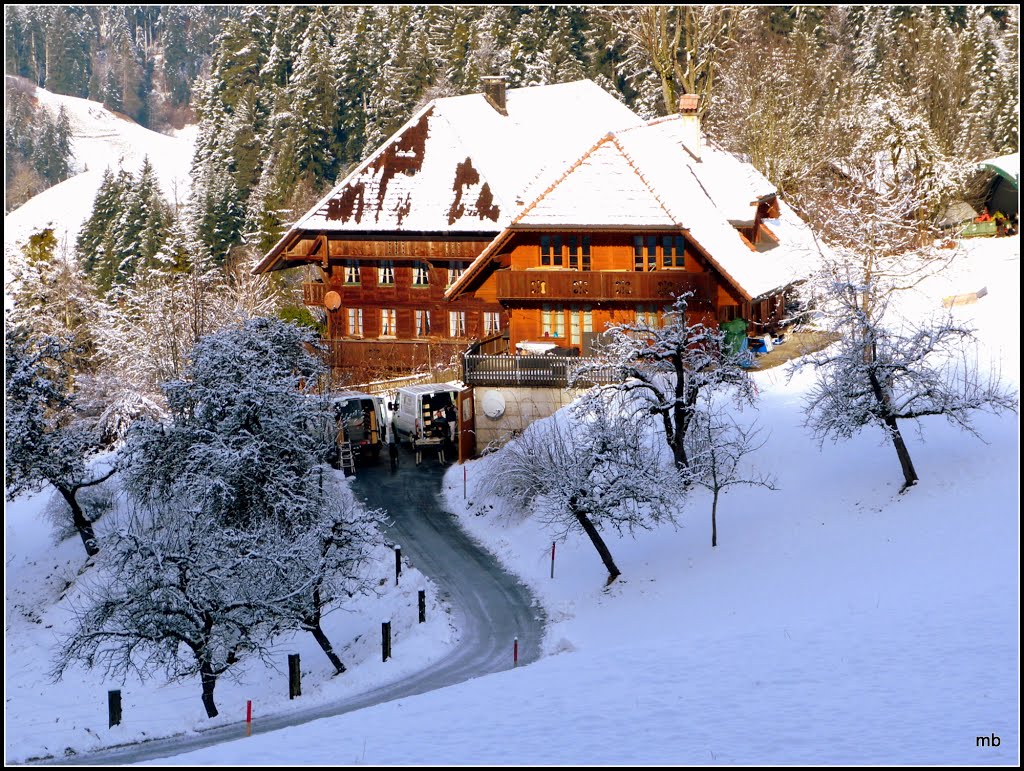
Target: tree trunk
(318, 634)
(209, 683)
(909, 474)
(598, 541)
(714, 519)
(82, 525)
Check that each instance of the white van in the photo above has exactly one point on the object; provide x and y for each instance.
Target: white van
(423, 413)
(360, 421)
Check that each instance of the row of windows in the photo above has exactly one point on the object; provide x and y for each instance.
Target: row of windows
(650, 252)
(422, 323)
(647, 250)
(579, 319)
(569, 251)
(386, 273)
(555, 319)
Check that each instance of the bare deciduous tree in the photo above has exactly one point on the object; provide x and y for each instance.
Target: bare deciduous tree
(589, 469)
(46, 439)
(718, 446)
(666, 369)
(885, 367)
(180, 594)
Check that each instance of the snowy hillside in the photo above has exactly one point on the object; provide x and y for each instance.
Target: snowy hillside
(102, 140)
(836, 622)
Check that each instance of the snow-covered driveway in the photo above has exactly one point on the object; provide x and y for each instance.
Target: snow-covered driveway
(490, 608)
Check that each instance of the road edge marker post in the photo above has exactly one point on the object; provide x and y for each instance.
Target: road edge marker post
(248, 717)
(552, 559)
(515, 652)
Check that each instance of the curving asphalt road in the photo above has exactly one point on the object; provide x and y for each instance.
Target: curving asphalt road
(490, 608)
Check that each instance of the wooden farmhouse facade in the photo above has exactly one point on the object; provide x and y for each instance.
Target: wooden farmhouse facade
(490, 220)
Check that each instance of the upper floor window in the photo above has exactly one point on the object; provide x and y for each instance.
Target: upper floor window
(351, 272)
(572, 251)
(579, 252)
(454, 272)
(551, 251)
(386, 273)
(645, 252)
(421, 274)
(651, 252)
(673, 252)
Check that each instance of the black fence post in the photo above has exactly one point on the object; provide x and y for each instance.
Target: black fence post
(294, 676)
(385, 635)
(114, 708)
(423, 605)
(398, 562)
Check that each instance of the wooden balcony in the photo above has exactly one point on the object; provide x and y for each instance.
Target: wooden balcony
(602, 286)
(534, 371)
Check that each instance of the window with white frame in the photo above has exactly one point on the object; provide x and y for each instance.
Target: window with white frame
(422, 323)
(581, 320)
(649, 315)
(492, 323)
(421, 274)
(552, 321)
(388, 322)
(351, 272)
(386, 273)
(355, 322)
(454, 272)
(456, 323)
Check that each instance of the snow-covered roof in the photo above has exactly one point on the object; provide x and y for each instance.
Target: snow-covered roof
(647, 177)
(1006, 166)
(459, 164)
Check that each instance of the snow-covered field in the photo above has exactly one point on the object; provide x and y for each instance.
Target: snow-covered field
(101, 140)
(44, 718)
(836, 622)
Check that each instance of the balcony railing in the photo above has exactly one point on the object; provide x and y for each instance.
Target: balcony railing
(602, 286)
(543, 371)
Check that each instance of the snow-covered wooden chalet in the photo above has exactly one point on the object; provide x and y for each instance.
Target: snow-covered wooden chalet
(537, 216)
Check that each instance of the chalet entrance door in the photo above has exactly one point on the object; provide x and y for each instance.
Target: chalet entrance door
(467, 426)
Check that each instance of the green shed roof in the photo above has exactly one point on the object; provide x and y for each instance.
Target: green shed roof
(1006, 166)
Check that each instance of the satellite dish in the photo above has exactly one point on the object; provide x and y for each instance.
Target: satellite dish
(493, 404)
(332, 301)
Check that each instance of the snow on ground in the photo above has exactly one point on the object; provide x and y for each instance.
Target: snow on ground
(101, 139)
(836, 622)
(43, 718)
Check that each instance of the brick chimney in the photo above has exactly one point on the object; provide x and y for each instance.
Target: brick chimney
(494, 91)
(688, 106)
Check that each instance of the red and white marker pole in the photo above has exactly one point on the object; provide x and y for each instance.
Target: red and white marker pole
(248, 717)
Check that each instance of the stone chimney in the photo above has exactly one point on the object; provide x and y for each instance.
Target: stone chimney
(688, 105)
(494, 91)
